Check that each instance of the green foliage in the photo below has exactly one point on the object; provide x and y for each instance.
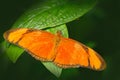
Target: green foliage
(51, 15)
(13, 51)
(52, 68)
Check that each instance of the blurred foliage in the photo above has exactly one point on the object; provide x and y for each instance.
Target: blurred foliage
(101, 26)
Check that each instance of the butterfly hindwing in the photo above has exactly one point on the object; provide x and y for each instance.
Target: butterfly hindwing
(71, 53)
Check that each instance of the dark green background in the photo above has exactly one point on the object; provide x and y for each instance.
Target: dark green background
(101, 25)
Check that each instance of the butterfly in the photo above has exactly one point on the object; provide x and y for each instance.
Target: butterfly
(63, 52)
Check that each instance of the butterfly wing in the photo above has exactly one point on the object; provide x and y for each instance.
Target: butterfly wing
(71, 53)
(40, 44)
(66, 53)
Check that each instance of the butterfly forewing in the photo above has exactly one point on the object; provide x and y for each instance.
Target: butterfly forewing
(39, 44)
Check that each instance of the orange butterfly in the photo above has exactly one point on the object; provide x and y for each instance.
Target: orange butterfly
(64, 52)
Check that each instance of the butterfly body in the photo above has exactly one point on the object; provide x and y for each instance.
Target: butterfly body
(64, 52)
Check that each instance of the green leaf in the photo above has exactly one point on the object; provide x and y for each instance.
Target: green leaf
(62, 28)
(51, 13)
(13, 51)
(53, 68)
